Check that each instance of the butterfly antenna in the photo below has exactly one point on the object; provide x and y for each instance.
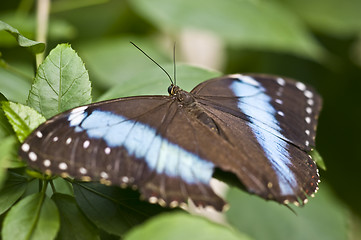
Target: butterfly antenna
(170, 78)
(174, 66)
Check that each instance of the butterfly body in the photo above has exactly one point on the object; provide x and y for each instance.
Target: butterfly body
(259, 128)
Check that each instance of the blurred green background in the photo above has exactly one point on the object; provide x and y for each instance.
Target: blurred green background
(317, 42)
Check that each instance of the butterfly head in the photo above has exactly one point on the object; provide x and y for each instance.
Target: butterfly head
(181, 95)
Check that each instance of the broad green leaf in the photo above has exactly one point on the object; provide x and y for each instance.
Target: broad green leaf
(114, 61)
(111, 208)
(155, 82)
(35, 217)
(265, 25)
(318, 159)
(74, 224)
(23, 119)
(61, 83)
(14, 188)
(13, 85)
(179, 226)
(323, 217)
(339, 18)
(34, 46)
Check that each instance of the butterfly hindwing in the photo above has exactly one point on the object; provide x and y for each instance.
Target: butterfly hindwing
(272, 146)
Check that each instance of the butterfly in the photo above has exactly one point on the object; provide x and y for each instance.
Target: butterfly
(259, 128)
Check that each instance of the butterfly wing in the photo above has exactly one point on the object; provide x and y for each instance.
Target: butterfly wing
(271, 122)
(129, 141)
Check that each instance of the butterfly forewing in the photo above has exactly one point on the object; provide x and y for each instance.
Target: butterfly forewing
(139, 141)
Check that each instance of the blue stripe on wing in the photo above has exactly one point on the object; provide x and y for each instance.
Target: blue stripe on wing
(142, 141)
(267, 131)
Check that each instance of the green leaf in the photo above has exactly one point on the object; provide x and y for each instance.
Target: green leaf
(8, 156)
(154, 81)
(35, 47)
(111, 208)
(179, 226)
(34, 217)
(5, 127)
(265, 25)
(26, 23)
(14, 188)
(74, 225)
(23, 119)
(61, 83)
(339, 18)
(318, 159)
(323, 217)
(2, 97)
(16, 85)
(63, 186)
(114, 61)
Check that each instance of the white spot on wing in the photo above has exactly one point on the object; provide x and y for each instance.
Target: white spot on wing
(104, 175)
(47, 163)
(308, 94)
(308, 110)
(279, 101)
(310, 102)
(281, 81)
(301, 86)
(79, 109)
(83, 171)
(86, 144)
(55, 139)
(249, 80)
(153, 199)
(307, 132)
(63, 166)
(25, 147)
(68, 141)
(77, 115)
(39, 134)
(280, 113)
(308, 120)
(236, 75)
(32, 156)
(107, 150)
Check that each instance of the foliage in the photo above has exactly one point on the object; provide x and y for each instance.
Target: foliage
(314, 41)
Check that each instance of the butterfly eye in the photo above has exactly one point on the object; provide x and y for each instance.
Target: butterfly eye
(170, 89)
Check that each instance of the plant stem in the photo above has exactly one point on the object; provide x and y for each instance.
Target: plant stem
(52, 186)
(43, 7)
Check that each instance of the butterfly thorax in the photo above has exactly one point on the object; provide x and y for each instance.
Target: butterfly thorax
(187, 101)
(183, 97)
